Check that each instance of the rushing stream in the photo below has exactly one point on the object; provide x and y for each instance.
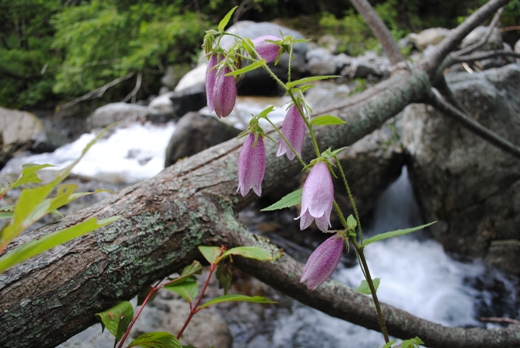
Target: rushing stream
(416, 275)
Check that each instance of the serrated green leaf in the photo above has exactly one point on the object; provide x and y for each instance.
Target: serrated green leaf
(117, 319)
(326, 120)
(190, 270)
(28, 174)
(364, 289)
(224, 275)
(237, 297)
(245, 69)
(210, 253)
(250, 252)
(187, 289)
(35, 247)
(412, 343)
(156, 340)
(310, 79)
(395, 233)
(225, 20)
(287, 201)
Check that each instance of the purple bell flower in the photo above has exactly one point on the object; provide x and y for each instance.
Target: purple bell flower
(211, 76)
(317, 198)
(293, 129)
(267, 50)
(251, 165)
(323, 262)
(224, 93)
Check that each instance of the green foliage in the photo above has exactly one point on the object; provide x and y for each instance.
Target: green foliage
(104, 40)
(286, 201)
(396, 233)
(156, 340)
(364, 289)
(117, 319)
(235, 298)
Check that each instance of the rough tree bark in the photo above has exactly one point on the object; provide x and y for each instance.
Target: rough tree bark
(55, 295)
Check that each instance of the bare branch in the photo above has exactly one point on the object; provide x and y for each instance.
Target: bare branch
(135, 90)
(431, 63)
(483, 55)
(474, 126)
(98, 92)
(381, 32)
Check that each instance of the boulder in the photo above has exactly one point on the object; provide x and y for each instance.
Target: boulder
(195, 133)
(494, 42)
(427, 37)
(471, 188)
(18, 130)
(189, 99)
(117, 112)
(320, 62)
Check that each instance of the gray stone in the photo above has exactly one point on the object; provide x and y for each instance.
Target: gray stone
(326, 93)
(320, 62)
(18, 129)
(493, 42)
(117, 112)
(431, 36)
(466, 184)
(517, 47)
(194, 77)
(361, 69)
(329, 42)
(189, 99)
(195, 133)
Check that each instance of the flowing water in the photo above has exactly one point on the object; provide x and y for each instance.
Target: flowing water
(416, 274)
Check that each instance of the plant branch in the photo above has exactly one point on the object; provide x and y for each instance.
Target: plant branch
(381, 32)
(135, 90)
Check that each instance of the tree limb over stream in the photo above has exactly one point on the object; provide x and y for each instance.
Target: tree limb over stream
(55, 295)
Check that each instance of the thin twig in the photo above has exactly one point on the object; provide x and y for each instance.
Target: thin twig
(484, 39)
(473, 125)
(135, 90)
(499, 320)
(484, 55)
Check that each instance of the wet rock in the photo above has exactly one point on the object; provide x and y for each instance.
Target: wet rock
(504, 255)
(117, 112)
(494, 42)
(195, 133)
(469, 186)
(189, 99)
(17, 131)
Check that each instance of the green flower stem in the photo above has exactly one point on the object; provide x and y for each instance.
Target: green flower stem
(368, 278)
(356, 214)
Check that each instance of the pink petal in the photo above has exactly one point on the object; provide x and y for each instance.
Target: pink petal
(267, 50)
(322, 262)
(251, 166)
(224, 93)
(211, 76)
(293, 129)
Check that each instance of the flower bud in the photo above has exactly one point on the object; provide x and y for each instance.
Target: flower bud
(211, 76)
(322, 262)
(251, 165)
(267, 50)
(293, 129)
(317, 198)
(224, 93)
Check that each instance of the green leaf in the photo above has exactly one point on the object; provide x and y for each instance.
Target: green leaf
(225, 20)
(210, 253)
(389, 344)
(224, 275)
(326, 120)
(309, 79)
(395, 233)
(156, 340)
(143, 294)
(6, 215)
(245, 69)
(190, 270)
(28, 174)
(35, 247)
(266, 111)
(237, 297)
(250, 252)
(117, 319)
(412, 343)
(364, 289)
(287, 201)
(248, 45)
(187, 289)
(351, 222)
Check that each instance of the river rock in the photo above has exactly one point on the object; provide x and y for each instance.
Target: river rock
(117, 112)
(189, 99)
(517, 47)
(494, 41)
(320, 62)
(471, 188)
(195, 133)
(18, 129)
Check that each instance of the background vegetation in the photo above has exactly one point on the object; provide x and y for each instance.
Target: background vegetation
(52, 51)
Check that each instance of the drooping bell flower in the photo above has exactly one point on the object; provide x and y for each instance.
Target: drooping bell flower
(211, 76)
(267, 50)
(317, 198)
(293, 129)
(251, 165)
(322, 262)
(224, 93)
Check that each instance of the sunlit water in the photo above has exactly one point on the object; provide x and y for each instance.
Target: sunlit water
(416, 275)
